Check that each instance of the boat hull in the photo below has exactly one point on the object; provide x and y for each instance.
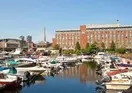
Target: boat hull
(117, 86)
(10, 84)
(27, 65)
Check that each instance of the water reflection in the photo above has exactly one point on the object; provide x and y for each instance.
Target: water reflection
(38, 80)
(11, 90)
(86, 72)
(82, 77)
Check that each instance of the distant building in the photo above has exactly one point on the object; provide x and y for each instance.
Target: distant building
(9, 44)
(29, 38)
(43, 45)
(121, 35)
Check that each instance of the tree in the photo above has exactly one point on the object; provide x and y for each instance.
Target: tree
(112, 46)
(56, 47)
(93, 48)
(77, 47)
(87, 45)
(103, 46)
(121, 50)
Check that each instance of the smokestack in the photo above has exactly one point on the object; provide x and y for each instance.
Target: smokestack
(44, 34)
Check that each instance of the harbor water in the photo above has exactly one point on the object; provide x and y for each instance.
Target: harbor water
(76, 79)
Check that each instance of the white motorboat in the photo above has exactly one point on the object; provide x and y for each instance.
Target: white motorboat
(102, 56)
(86, 58)
(66, 59)
(98, 57)
(9, 80)
(119, 84)
(52, 63)
(24, 69)
(26, 62)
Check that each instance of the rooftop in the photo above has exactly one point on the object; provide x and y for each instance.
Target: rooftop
(68, 30)
(97, 26)
(101, 25)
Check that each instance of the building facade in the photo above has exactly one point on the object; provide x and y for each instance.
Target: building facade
(121, 35)
(9, 44)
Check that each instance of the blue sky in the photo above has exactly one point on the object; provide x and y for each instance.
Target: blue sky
(28, 17)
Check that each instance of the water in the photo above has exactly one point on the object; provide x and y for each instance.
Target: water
(79, 79)
(59, 85)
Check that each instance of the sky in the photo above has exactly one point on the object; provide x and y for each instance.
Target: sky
(29, 17)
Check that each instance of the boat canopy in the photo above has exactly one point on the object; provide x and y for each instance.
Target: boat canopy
(53, 62)
(12, 70)
(3, 68)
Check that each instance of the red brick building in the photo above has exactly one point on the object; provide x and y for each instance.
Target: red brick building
(121, 35)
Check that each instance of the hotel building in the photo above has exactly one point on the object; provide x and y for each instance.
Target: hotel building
(121, 35)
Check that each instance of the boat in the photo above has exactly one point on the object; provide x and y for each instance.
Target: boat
(119, 84)
(16, 52)
(9, 80)
(86, 58)
(118, 71)
(129, 90)
(115, 82)
(26, 62)
(66, 59)
(3, 68)
(44, 58)
(102, 57)
(52, 63)
(21, 70)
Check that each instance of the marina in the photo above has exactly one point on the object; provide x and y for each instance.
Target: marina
(101, 73)
(65, 46)
(76, 76)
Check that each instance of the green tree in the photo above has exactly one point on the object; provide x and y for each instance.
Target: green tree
(78, 52)
(121, 50)
(87, 45)
(77, 47)
(93, 48)
(112, 46)
(56, 47)
(85, 51)
(103, 46)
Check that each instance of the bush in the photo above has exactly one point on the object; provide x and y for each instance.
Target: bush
(121, 50)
